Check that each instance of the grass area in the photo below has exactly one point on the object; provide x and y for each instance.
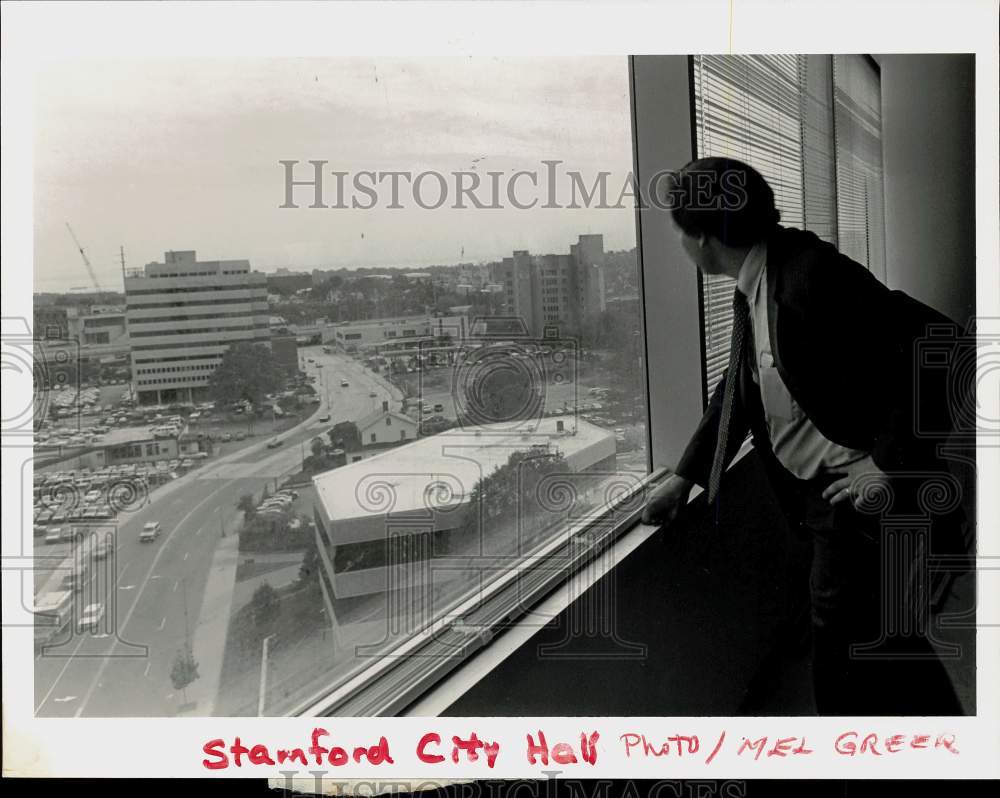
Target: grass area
(299, 616)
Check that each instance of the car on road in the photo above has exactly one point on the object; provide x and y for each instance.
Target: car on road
(324, 418)
(104, 546)
(93, 614)
(274, 443)
(373, 395)
(345, 384)
(150, 532)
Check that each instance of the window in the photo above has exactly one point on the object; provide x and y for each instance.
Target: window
(525, 424)
(812, 126)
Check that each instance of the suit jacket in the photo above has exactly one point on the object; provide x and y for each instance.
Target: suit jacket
(847, 349)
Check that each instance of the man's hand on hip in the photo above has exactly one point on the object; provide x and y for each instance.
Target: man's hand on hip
(666, 500)
(846, 488)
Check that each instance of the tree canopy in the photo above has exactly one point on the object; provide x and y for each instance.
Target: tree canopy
(247, 372)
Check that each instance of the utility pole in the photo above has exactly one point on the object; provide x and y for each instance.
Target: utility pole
(187, 632)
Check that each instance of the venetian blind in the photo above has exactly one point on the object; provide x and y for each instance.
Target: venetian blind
(858, 137)
(749, 108)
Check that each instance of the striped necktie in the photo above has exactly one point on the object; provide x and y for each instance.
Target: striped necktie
(741, 322)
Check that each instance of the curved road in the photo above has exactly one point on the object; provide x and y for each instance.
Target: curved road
(153, 591)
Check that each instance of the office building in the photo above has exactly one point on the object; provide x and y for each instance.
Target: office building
(183, 315)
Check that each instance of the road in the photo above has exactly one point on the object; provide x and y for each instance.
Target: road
(153, 591)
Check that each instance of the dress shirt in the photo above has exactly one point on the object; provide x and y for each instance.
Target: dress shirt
(797, 443)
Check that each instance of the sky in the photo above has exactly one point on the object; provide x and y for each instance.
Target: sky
(157, 155)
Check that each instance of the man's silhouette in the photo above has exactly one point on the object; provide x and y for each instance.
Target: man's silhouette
(822, 372)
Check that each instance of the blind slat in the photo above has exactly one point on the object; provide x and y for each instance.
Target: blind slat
(810, 124)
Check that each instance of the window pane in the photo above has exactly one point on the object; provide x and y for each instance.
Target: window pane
(448, 390)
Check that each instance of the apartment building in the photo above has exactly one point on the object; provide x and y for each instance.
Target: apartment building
(183, 314)
(562, 291)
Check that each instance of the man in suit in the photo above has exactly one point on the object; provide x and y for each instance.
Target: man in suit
(822, 372)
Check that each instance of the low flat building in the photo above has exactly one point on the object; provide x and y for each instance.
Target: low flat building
(396, 336)
(417, 490)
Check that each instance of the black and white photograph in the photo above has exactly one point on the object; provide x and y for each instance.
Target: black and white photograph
(495, 382)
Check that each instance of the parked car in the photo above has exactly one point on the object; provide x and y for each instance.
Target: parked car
(53, 535)
(274, 443)
(226, 437)
(345, 384)
(324, 418)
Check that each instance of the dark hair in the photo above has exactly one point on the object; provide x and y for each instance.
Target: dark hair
(724, 198)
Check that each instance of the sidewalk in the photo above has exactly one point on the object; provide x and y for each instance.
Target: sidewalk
(213, 625)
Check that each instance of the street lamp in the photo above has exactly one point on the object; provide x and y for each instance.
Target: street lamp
(262, 690)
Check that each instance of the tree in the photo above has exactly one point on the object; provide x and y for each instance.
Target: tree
(247, 372)
(515, 486)
(248, 506)
(265, 604)
(345, 435)
(316, 446)
(184, 671)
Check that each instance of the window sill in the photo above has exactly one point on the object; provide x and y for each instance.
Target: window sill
(423, 675)
(477, 667)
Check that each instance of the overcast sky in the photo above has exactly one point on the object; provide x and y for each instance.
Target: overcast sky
(158, 155)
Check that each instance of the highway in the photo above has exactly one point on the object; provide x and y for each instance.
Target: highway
(153, 592)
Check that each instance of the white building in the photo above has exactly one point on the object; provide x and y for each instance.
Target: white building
(385, 426)
(183, 314)
(419, 489)
(396, 336)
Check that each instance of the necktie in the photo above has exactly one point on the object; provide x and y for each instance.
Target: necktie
(741, 322)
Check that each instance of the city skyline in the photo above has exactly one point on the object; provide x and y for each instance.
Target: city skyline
(141, 154)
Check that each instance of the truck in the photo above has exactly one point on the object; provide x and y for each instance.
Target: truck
(52, 614)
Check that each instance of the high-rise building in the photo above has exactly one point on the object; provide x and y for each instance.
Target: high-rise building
(561, 291)
(183, 314)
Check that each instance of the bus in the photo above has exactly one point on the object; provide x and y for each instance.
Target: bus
(52, 614)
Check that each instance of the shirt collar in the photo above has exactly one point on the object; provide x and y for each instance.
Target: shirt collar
(750, 272)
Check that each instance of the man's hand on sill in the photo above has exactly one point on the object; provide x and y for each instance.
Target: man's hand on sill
(666, 500)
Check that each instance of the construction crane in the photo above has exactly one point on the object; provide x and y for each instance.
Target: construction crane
(86, 260)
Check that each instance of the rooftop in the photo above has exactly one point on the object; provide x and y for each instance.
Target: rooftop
(118, 437)
(440, 471)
